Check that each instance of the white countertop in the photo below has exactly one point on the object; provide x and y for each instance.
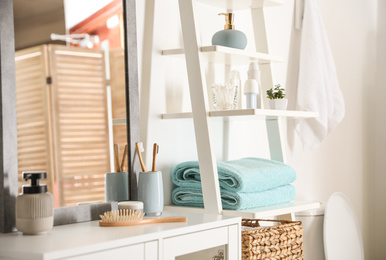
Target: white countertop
(86, 237)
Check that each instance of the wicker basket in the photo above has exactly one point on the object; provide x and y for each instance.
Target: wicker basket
(282, 241)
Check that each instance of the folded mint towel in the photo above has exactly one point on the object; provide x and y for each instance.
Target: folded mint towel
(243, 175)
(235, 200)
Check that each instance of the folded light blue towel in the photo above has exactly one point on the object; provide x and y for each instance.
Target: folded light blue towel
(235, 200)
(243, 175)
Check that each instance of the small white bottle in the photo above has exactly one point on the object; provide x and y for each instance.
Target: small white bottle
(252, 87)
(35, 207)
(251, 91)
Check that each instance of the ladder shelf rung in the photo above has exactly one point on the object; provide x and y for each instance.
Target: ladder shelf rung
(229, 56)
(262, 212)
(247, 112)
(242, 4)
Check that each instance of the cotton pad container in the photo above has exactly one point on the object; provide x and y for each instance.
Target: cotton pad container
(134, 205)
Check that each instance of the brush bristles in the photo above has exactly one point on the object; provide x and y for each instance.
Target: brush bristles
(122, 215)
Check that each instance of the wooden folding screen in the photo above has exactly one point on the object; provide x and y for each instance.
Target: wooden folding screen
(34, 135)
(76, 105)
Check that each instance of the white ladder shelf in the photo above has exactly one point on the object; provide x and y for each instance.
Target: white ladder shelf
(195, 55)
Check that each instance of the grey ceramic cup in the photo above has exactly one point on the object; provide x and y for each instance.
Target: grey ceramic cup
(116, 186)
(150, 192)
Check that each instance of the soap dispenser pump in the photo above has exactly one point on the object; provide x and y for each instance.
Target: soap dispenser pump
(35, 207)
(230, 37)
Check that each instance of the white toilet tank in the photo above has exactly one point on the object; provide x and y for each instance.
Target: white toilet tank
(341, 231)
(333, 232)
(312, 233)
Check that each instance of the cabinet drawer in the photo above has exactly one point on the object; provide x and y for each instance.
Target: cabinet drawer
(194, 242)
(144, 251)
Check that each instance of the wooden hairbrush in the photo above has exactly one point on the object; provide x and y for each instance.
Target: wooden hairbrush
(129, 217)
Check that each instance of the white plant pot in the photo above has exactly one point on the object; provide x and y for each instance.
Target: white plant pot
(278, 104)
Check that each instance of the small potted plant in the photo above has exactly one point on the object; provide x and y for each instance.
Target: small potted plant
(277, 98)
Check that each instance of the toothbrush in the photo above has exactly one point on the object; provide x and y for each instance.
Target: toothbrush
(155, 152)
(124, 157)
(140, 149)
(116, 158)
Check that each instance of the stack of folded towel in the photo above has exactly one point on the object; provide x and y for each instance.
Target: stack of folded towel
(245, 183)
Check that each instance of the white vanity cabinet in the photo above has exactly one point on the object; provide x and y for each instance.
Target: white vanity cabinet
(87, 240)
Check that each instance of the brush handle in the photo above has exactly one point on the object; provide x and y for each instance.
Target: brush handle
(124, 157)
(143, 221)
(140, 157)
(163, 220)
(155, 151)
(116, 158)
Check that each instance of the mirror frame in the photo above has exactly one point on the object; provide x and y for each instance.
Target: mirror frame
(8, 123)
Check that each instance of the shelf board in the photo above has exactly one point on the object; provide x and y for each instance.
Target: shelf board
(262, 212)
(242, 4)
(248, 112)
(236, 113)
(229, 56)
(177, 115)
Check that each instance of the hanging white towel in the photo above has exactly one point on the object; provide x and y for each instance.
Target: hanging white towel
(318, 87)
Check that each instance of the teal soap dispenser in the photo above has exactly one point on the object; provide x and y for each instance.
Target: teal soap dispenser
(230, 37)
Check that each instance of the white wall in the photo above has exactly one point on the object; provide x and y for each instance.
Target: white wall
(378, 141)
(344, 161)
(77, 11)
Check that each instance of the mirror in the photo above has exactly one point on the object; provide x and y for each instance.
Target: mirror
(70, 94)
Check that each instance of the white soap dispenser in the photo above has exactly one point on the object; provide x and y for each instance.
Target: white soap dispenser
(35, 207)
